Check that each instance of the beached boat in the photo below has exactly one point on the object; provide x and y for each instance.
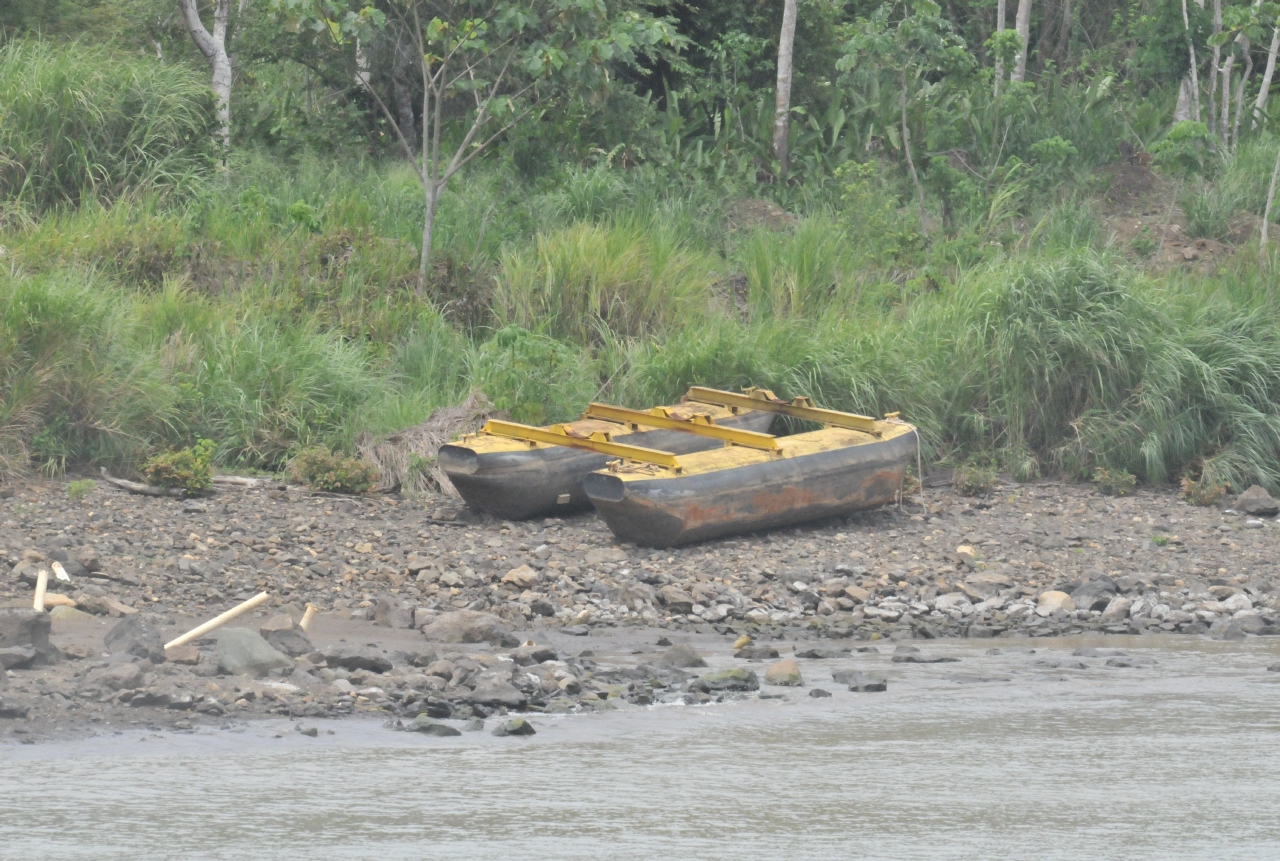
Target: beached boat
(516, 471)
(852, 463)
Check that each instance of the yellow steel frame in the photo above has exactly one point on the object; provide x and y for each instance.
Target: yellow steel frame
(597, 442)
(698, 425)
(800, 408)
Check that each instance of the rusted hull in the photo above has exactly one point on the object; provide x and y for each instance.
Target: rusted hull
(517, 485)
(662, 512)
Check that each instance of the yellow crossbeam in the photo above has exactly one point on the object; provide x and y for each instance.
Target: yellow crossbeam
(698, 425)
(800, 408)
(597, 442)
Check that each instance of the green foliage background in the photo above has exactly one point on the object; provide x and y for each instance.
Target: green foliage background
(616, 248)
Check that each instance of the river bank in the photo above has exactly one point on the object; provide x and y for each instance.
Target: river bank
(430, 613)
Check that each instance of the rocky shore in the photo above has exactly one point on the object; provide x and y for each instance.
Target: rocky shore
(428, 612)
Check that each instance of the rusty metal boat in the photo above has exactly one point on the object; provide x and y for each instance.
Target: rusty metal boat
(852, 463)
(517, 471)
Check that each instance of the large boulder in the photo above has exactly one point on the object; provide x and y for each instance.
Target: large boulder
(468, 626)
(1258, 502)
(1053, 601)
(115, 677)
(27, 629)
(785, 672)
(676, 600)
(427, 726)
(391, 614)
(284, 635)
(242, 652)
(1094, 594)
(682, 656)
(493, 691)
(728, 680)
(135, 639)
(358, 658)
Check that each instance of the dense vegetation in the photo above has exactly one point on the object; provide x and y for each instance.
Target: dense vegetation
(932, 247)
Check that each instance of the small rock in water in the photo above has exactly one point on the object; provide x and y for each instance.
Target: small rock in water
(921, 659)
(1274, 668)
(1132, 661)
(577, 630)
(515, 726)
(1060, 664)
(728, 680)
(309, 732)
(430, 726)
(474, 725)
(817, 654)
(871, 649)
(785, 673)
(756, 652)
(1226, 629)
(867, 684)
(663, 641)
(681, 655)
(819, 693)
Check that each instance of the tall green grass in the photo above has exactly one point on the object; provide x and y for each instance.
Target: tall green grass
(87, 121)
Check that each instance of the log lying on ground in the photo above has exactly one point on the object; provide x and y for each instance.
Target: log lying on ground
(138, 487)
(244, 481)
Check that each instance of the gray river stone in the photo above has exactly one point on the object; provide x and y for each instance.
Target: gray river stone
(27, 628)
(134, 638)
(242, 652)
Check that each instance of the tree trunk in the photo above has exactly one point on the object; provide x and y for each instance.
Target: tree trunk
(214, 47)
(1266, 214)
(221, 63)
(1000, 22)
(782, 95)
(1191, 48)
(1247, 47)
(1182, 109)
(1225, 123)
(1261, 103)
(1213, 70)
(911, 165)
(1064, 42)
(1023, 25)
(432, 190)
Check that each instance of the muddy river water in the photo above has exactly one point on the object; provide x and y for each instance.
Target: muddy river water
(995, 757)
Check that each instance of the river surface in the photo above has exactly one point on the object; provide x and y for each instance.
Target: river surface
(994, 757)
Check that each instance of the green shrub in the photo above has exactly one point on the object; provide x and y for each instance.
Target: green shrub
(534, 378)
(189, 469)
(974, 479)
(1116, 482)
(320, 469)
(1203, 492)
(78, 490)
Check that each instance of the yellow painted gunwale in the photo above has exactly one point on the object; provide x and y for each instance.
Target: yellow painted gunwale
(487, 443)
(799, 445)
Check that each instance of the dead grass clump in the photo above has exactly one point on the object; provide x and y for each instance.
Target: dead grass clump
(406, 460)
